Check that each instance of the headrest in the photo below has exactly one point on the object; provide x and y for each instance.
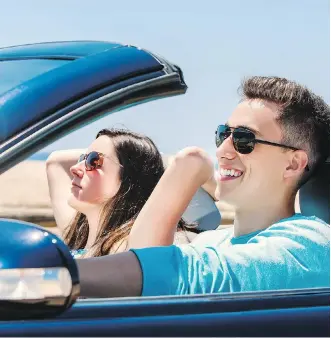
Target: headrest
(314, 195)
(203, 210)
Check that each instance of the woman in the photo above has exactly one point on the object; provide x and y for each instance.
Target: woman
(101, 195)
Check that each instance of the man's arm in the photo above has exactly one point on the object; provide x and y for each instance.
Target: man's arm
(117, 275)
(288, 255)
(210, 187)
(158, 219)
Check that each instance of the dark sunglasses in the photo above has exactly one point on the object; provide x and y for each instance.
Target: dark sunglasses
(243, 140)
(93, 160)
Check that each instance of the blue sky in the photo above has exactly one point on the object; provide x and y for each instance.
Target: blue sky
(216, 43)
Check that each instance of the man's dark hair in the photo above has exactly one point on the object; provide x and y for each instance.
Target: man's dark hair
(303, 116)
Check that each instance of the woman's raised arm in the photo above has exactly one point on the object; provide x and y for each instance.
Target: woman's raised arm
(59, 178)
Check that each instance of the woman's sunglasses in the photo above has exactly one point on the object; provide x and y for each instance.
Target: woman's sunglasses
(93, 160)
(243, 140)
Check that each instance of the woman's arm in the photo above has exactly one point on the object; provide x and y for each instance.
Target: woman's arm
(157, 222)
(59, 184)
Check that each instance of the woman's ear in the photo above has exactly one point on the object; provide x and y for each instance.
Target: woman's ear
(297, 163)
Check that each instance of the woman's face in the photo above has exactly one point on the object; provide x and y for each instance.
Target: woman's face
(92, 188)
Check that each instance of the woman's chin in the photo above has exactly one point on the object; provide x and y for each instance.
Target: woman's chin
(75, 203)
(79, 205)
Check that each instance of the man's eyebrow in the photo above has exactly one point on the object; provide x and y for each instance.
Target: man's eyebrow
(256, 132)
(250, 128)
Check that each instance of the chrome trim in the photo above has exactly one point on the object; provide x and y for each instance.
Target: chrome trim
(222, 296)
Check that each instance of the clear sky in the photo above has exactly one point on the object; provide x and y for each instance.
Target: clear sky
(215, 42)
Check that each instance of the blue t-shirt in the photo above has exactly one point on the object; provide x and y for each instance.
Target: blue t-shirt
(293, 253)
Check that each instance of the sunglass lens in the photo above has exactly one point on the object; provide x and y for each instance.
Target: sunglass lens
(243, 141)
(92, 160)
(222, 133)
(81, 158)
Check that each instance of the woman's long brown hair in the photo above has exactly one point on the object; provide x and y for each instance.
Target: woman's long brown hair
(142, 167)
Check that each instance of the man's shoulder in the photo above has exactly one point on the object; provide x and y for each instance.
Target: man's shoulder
(303, 222)
(300, 227)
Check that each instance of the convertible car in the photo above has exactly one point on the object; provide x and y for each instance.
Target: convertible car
(48, 90)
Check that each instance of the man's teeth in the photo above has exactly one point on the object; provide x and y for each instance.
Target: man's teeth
(230, 172)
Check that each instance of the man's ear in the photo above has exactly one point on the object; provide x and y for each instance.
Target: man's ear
(297, 162)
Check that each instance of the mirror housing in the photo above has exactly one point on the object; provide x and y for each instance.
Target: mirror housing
(38, 275)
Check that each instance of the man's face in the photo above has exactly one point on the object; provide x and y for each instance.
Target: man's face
(258, 177)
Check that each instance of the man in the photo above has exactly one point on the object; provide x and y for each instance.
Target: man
(270, 145)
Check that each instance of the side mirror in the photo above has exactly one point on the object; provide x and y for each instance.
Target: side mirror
(38, 275)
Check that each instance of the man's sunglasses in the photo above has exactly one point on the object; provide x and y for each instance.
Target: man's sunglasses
(243, 139)
(93, 160)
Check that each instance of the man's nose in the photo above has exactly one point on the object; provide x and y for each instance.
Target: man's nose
(226, 149)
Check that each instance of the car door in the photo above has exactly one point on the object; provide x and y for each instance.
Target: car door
(304, 313)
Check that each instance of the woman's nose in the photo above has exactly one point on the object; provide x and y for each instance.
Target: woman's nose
(77, 169)
(226, 149)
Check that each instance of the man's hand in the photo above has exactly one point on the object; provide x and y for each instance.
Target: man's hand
(201, 161)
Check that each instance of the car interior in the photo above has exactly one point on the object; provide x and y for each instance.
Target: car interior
(314, 196)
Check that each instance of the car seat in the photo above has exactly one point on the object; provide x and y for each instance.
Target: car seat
(314, 196)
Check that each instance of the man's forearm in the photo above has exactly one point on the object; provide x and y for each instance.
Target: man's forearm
(210, 187)
(157, 221)
(117, 275)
